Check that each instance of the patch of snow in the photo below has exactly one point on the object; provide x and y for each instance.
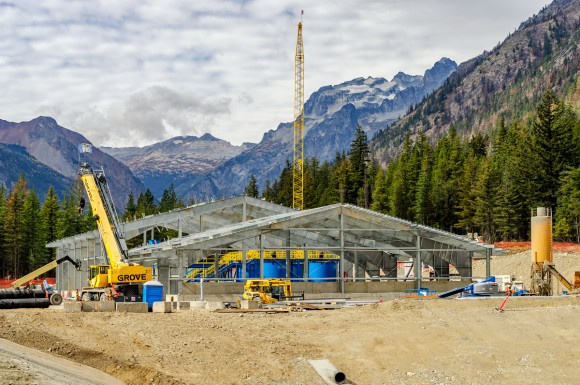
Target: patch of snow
(386, 86)
(391, 96)
(177, 141)
(369, 81)
(357, 89)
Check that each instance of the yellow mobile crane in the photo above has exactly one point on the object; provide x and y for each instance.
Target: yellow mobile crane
(119, 277)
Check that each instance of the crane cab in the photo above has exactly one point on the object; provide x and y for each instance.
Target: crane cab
(99, 276)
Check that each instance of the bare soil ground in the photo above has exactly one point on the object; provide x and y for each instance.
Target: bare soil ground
(412, 342)
(519, 266)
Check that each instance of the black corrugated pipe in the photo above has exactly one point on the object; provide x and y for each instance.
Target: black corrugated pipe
(22, 293)
(24, 303)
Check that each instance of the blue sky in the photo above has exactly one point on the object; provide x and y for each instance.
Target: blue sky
(134, 72)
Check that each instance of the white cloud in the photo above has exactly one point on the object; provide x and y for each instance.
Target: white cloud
(151, 115)
(134, 72)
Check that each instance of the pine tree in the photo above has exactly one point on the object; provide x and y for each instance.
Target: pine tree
(145, 204)
(568, 214)
(3, 259)
(448, 163)
(70, 222)
(33, 233)
(311, 182)
(381, 193)
(168, 200)
(485, 198)
(466, 205)
(508, 197)
(251, 189)
(332, 191)
(359, 158)
(342, 181)
(268, 193)
(283, 187)
(398, 194)
(552, 135)
(422, 209)
(49, 214)
(14, 243)
(324, 180)
(130, 209)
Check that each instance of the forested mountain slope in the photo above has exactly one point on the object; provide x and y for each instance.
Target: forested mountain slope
(508, 82)
(15, 160)
(57, 148)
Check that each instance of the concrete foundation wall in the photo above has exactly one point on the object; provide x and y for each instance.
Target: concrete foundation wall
(229, 291)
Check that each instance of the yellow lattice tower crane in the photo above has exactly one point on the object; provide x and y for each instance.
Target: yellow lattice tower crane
(298, 165)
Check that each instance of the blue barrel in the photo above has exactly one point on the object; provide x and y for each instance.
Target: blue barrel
(321, 269)
(274, 269)
(253, 268)
(152, 292)
(296, 268)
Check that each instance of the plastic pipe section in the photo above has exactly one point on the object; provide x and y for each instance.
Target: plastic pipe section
(328, 372)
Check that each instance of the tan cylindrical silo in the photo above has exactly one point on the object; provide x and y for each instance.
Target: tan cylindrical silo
(542, 235)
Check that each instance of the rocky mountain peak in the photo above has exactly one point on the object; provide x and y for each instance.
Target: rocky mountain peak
(209, 137)
(44, 121)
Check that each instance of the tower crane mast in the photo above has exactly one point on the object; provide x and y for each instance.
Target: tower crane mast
(298, 164)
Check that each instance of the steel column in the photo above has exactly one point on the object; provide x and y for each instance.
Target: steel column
(341, 262)
(418, 264)
(260, 241)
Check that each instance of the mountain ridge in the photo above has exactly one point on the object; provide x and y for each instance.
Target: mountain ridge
(331, 116)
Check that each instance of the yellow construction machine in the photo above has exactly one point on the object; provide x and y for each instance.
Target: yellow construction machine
(268, 291)
(46, 268)
(119, 279)
(55, 298)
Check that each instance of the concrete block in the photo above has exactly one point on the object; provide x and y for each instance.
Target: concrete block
(212, 305)
(247, 304)
(193, 305)
(72, 306)
(132, 307)
(172, 297)
(162, 307)
(98, 306)
(183, 305)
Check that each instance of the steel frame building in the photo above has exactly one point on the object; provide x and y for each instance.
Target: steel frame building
(368, 243)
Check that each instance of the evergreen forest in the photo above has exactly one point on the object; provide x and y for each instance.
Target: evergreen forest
(27, 225)
(485, 183)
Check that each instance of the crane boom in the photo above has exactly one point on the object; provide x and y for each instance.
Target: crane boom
(298, 165)
(104, 212)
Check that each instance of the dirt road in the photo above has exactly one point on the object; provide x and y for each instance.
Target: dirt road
(20, 365)
(535, 341)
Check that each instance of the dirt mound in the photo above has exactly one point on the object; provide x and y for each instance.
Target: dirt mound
(518, 265)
